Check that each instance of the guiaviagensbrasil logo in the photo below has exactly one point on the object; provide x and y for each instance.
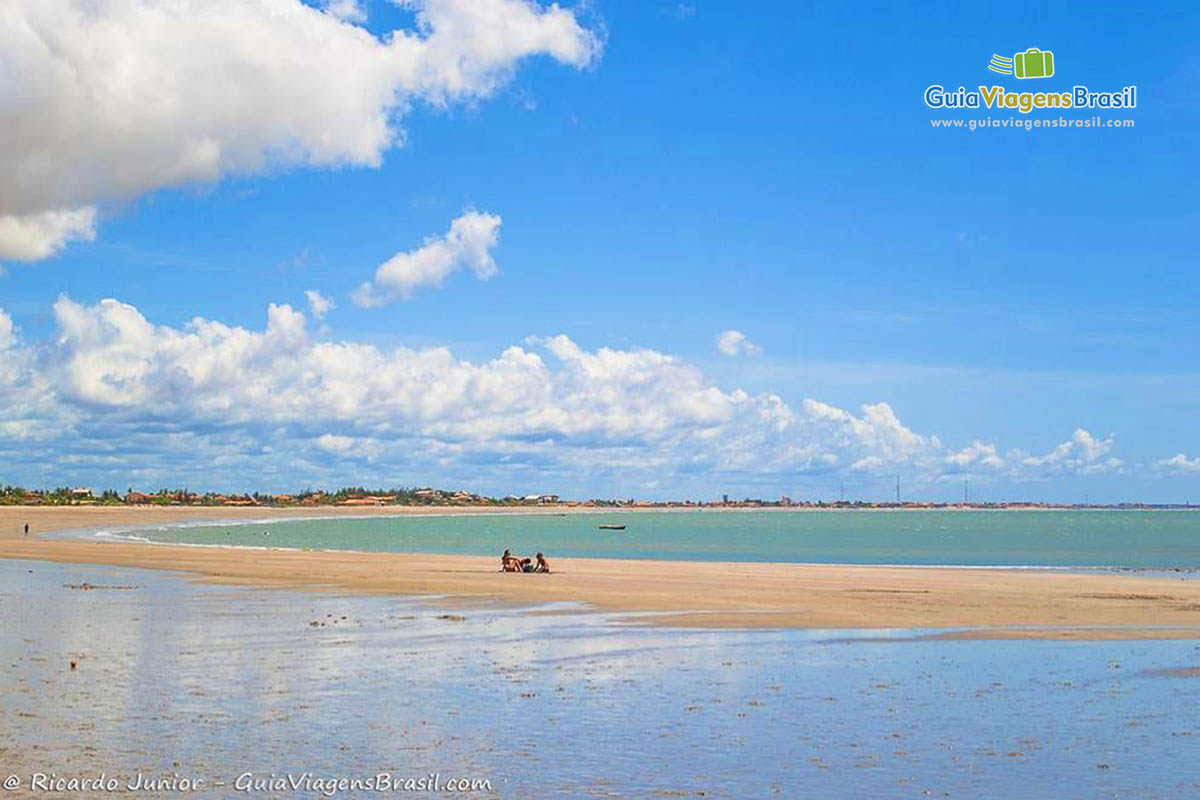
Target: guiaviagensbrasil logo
(1033, 63)
(1024, 65)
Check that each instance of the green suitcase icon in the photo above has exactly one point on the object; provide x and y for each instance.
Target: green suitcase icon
(1034, 63)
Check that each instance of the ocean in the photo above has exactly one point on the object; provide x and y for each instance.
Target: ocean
(1138, 539)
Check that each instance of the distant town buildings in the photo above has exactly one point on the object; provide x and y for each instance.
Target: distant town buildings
(429, 496)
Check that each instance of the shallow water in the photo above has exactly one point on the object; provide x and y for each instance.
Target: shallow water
(224, 680)
(1143, 539)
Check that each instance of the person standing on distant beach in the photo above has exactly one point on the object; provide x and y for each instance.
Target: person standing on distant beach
(26, 528)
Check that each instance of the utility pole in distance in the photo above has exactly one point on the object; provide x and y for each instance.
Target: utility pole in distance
(897, 490)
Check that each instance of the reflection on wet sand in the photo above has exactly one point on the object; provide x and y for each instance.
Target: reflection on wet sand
(211, 682)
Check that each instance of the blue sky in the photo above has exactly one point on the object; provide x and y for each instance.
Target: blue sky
(707, 169)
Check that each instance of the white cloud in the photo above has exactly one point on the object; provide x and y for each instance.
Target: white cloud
(873, 441)
(8, 333)
(318, 304)
(468, 243)
(334, 443)
(31, 237)
(1179, 463)
(1081, 451)
(118, 98)
(976, 454)
(348, 10)
(733, 343)
(112, 392)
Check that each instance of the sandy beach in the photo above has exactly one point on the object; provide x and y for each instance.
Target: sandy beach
(992, 603)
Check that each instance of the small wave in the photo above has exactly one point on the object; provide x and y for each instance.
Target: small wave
(128, 537)
(121, 536)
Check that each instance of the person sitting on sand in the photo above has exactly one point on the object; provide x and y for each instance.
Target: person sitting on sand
(509, 562)
(526, 565)
(542, 565)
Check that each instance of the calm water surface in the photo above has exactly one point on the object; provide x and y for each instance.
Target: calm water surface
(1145, 539)
(211, 682)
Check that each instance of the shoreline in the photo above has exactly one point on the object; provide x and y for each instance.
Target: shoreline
(974, 602)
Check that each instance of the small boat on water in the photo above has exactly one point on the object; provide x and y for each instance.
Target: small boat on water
(612, 527)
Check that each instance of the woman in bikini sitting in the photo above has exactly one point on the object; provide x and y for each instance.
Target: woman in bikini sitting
(509, 562)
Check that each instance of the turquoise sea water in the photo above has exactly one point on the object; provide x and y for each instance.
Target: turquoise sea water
(1137, 539)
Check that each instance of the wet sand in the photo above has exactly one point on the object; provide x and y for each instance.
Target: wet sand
(991, 603)
(210, 682)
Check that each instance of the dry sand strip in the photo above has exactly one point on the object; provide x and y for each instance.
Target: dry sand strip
(993, 603)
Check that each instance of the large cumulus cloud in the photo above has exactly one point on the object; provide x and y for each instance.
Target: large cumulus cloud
(115, 393)
(105, 100)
